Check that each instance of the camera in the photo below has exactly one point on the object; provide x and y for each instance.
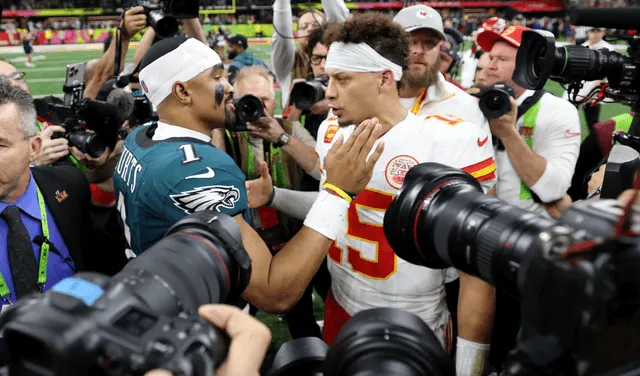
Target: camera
(142, 109)
(622, 165)
(305, 94)
(379, 341)
(98, 116)
(141, 319)
(494, 100)
(574, 276)
(163, 16)
(249, 108)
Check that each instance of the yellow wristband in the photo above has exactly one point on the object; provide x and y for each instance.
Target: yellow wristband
(339, 191)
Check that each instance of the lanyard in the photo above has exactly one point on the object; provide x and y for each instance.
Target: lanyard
(44, 254)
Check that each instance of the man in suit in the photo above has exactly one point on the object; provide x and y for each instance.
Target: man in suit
(45, 226)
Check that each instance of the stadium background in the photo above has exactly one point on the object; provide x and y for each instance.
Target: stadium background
(54, 51)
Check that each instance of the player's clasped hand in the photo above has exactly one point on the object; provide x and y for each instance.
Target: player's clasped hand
(347, 165)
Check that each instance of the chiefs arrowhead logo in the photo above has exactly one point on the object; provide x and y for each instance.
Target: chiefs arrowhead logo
(212, 197)
(331, 133)
(397, 168)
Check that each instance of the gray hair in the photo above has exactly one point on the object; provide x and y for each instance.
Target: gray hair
(10, 94)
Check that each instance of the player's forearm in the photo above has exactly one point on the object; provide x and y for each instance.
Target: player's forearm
(304, 155)
(476, 307)
(528, 164)
(296, 204)
(293, 267)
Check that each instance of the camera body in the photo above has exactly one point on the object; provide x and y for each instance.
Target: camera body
(142, 318)
(115, 333)
(248, 108)
(89, 114)
(305, 94)
(495, 100)
(159, 18)
(142, 109)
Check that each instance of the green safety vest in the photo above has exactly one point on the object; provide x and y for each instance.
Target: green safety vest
(527, 130)
(623, 122)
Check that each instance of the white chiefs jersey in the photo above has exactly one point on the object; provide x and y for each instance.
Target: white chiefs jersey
(365, 272)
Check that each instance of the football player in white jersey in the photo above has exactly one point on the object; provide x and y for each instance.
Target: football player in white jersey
(365, 65)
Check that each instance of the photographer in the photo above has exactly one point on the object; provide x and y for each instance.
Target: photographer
(250, 340)
(537, 149)
(288, 62)
(184, 79)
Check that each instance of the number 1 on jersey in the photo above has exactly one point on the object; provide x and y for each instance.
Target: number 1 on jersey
(386, 262)
(189, 154)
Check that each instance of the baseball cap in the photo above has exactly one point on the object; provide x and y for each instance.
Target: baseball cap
(513, 35)
(238, 39)
(420, 17)
(495, 24)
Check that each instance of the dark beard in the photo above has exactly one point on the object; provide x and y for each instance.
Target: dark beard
(423, 80)
(229, 118)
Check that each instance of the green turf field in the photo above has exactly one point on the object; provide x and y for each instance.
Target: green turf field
(49, 74)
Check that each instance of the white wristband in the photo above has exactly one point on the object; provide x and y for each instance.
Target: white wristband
(326, 215)
(471, 358)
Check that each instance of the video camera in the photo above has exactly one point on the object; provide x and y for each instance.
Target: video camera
(163, 16)
(305, 94)
(539, 59)
(577, 277)
(143, 318)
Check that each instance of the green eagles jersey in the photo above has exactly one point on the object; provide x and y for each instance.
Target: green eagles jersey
(157, 183)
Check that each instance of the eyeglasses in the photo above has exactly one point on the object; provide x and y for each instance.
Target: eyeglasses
(15, 76)
(317, 59)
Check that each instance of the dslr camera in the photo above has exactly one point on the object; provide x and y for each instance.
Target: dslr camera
(494, 100)
(143, 318)
(577, 277)
(89, 114)
(305, 94)
(163, 16)
(248, 108)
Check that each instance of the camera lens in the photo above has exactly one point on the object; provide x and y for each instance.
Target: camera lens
(303, 356)
(88, 143)
(164, 25)
(386, 341)
(305, 94)
(248, 108)
(442, 218)
(200, 261)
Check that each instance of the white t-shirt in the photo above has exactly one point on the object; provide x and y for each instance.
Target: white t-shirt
(557, 139)
(365, 272)
(446, 98)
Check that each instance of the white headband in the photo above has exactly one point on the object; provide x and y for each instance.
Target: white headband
(359, 57)
(182, 64)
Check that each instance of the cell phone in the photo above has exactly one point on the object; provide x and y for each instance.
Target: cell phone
(74, 83)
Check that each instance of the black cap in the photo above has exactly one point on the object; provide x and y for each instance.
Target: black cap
(238, 39)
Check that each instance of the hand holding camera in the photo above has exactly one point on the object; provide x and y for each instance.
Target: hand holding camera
(266, 128)
(52, 149)
(505, 125)
(250, 340)
(134, 21)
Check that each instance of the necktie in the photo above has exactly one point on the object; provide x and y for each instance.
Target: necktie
(24, 267)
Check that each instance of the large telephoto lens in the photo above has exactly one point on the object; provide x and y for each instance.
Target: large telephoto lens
(200, 261)
(441, 218)
(539, 60)
(387, 341)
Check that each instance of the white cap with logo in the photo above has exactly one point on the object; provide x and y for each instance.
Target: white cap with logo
(420, 17)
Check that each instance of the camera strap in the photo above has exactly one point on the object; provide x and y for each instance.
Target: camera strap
(5, 294)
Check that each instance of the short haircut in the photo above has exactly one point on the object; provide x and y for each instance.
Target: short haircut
(10, 94)
(379, 32)
(255, 71)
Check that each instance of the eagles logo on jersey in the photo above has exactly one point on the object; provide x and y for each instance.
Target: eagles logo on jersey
(206, 198)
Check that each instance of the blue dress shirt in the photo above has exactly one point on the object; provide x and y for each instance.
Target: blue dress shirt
(57, 269)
